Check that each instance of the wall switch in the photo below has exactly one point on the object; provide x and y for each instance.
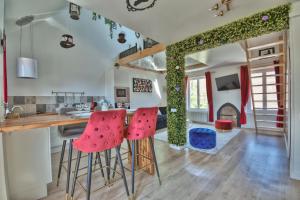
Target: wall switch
(173, 110)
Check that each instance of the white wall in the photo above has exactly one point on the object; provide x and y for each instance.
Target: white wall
(295, 90)
(82, 68)
(123, 78)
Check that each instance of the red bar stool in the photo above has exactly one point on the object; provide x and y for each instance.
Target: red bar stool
(104, 131)
(142, 125)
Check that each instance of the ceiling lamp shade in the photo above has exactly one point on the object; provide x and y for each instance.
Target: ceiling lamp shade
(27, 68)
(74, 11)
(67, 41)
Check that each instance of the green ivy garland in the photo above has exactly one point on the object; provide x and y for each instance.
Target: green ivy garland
(112, 24)
(265, 22)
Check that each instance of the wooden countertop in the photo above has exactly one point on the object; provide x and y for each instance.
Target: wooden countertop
(38, 121)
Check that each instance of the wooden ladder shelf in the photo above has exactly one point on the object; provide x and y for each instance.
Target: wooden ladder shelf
(264, 105)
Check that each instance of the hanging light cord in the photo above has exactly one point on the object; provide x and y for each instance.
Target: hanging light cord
(21, 40)
(31, 40)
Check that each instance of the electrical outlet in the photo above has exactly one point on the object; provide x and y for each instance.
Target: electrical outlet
(173, 110)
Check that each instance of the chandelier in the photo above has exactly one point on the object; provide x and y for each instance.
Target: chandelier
(221, 8)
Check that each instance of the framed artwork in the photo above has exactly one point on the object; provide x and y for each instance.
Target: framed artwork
(142, 85)
(267, 51)
(122, 94)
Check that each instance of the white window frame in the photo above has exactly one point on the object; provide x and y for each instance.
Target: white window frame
(264, 90)
(198, 99)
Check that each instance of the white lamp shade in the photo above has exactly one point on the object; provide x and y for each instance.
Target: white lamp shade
(27, 68)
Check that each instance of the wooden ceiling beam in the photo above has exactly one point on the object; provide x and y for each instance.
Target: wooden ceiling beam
(142, 54)
(142, 69)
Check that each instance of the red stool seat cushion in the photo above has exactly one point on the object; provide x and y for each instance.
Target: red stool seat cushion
(223, 124)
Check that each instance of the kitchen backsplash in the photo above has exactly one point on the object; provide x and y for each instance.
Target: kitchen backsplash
(43, 104)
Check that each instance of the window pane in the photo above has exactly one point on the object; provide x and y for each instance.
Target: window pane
(258, 97)
(257, 89)
(257, 81)
(259, 105)
(202, 93)
(256, 74)
(272, 105)
(271, 88)
(193, 94)
(271, 80)
(271, 97)
(270, 72)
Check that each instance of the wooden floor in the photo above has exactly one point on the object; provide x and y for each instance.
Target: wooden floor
(249, 167)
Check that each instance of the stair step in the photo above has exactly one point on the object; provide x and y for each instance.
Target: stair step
(270, 121)
(272, 115)
(271, 75)
(267, 84)
(265, 57)
(270, 128)
(266, 45)
(270, 93)
(265, 101)
(257, 68)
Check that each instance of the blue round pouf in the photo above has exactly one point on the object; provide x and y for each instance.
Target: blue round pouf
(202, 138)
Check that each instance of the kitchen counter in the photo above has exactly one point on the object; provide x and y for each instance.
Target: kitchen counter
(39, 121)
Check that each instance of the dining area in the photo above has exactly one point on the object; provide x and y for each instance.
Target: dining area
(100, 149)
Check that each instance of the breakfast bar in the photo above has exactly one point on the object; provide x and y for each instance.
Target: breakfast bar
(25, 153)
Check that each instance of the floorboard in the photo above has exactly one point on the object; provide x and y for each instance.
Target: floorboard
(249, 167)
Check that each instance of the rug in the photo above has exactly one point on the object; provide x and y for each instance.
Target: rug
(223, 138)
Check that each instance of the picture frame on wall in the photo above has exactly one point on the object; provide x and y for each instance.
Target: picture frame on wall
(122, 94)
(142, 85)
(267, 51)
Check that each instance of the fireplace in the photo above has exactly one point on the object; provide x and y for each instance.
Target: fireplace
(230, 112)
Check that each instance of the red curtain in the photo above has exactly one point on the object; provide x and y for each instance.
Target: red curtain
(245, 92)
(209, 97)
(4, 70)
(280, 111)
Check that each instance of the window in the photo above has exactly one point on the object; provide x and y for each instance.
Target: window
(197, 98)
(264, 89)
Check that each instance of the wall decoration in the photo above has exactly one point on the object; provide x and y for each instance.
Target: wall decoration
(265, 18)
(122, 38)
(67, 41)
(139, 5)
(267, 51)
(253, 26)
(112, 24)
(142, 85)
(122, 95)
(74, 11)
(137, 35)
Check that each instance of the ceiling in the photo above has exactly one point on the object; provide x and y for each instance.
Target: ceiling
(172, 21)
(41, 9)
(225, 55)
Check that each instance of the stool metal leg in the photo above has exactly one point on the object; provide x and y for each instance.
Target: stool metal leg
(76, 173)
(115, 166)
(100, 164)
(106, 164)
(132, 165)
(69, 166)
(62, 154)
(154, 158)
(129, 147)
(89, 175)
(122, 169)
